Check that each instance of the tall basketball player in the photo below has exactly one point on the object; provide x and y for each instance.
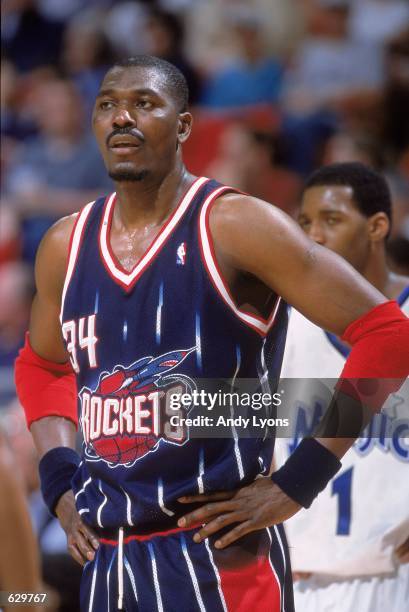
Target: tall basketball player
(171, 279)
(362, 517)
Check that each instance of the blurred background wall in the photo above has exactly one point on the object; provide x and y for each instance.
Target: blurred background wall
(278, 88)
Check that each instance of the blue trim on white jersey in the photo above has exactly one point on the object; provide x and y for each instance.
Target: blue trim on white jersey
(403, 296)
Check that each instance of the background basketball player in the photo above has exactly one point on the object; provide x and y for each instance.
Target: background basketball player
(361, 520)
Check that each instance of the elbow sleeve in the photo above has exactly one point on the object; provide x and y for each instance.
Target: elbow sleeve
(45, 388)
(380, 350)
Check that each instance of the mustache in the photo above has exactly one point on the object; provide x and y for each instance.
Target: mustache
(125, 131)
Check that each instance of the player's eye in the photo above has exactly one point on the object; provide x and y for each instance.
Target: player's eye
(304, 223)
(145, 104)
(332, 220)
(106, 105)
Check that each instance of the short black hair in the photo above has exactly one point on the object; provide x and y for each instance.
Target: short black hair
(175, 80)
(370, 190)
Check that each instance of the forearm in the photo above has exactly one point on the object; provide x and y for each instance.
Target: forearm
(19, 563)
(19, 558)
(52, 432)
(337, 446)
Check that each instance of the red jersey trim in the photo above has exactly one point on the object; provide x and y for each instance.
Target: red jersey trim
(259, 324)
(128, 279)
(144, 538)
(77, 235)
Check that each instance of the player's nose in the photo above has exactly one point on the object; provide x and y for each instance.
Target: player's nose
(316, 233)
(123, 118)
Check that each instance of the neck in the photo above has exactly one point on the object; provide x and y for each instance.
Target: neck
(152, 199)
(376, 271)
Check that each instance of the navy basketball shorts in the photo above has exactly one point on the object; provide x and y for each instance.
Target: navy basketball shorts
(169, 572)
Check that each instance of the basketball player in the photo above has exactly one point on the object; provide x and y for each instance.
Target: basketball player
(172, 279)
(362, 518)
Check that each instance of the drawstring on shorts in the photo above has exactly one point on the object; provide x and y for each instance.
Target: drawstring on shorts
(120, 568)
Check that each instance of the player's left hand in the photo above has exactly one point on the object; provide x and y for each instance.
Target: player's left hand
(253, 507)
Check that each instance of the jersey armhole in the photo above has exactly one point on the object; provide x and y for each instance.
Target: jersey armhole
(257, 323)
(76, 237)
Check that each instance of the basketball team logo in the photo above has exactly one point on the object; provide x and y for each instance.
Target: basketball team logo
(128, 414)
(181, 254)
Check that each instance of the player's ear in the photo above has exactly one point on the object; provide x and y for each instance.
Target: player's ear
(184, 127)
(378, 227)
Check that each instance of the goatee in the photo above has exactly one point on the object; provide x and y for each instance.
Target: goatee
(128, 175)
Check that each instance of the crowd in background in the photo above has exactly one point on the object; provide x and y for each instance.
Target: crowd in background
(278, 88)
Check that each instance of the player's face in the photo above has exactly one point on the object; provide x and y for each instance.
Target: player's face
(330, 217)
(137, 124)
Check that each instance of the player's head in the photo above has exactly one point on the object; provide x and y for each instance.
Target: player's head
(347, 208)
(140, 117)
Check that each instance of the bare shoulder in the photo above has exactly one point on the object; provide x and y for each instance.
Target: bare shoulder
(235, 205)
(241, 223)
(59, 234)
(236, 210)
(52, 254)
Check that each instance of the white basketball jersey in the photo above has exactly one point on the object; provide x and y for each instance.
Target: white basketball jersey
(356, 523)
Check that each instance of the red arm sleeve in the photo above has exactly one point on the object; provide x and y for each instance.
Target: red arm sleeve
(45, 388)
(379, 360)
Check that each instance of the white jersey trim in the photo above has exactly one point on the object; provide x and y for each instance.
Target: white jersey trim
(76, 239)
(128, 278)
(262, 326)
(275, 573)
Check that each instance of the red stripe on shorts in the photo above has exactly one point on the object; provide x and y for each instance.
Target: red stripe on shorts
(251, 588)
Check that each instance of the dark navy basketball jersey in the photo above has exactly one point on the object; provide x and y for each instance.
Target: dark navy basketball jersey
(136, 337)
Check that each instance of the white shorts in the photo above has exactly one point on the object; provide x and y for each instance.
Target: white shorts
(368, 594)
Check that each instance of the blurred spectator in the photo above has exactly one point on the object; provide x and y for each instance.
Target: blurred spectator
(16, 293)
(61, 169)
(19, 558)
(13, 126)
(329, 65)
(399, 186)
(15, 299)
(252, 77)
(248, 160)
(29, 38)
(378, 20)
(61, 11)
(86, 54)
(125, 28)
(395, 99)
(306, 137)
(60, 572)
(208, 30)
(353, 147)
(376, 127)
(10, 239)
(164, 37)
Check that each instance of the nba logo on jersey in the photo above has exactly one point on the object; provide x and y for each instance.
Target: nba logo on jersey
(181, 254)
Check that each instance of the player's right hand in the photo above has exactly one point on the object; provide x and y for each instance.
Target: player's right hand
(82, 542)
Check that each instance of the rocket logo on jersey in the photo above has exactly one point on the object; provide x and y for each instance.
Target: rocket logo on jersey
(127, 415)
